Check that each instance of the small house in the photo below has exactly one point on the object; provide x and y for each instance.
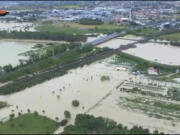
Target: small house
(177, 70)
(120, 69)
(152, 71)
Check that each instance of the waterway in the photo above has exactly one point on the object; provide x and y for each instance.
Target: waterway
(10, 50)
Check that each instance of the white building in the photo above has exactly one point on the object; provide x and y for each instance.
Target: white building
(120, 69)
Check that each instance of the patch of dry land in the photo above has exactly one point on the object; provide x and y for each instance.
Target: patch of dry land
(98, 97)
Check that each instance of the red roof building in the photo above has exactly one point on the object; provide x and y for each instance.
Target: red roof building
(152, 71)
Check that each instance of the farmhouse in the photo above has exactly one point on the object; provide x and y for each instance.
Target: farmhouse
(152, 71)
(120, 69)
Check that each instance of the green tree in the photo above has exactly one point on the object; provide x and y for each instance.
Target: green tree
(75, 103)
(67, 114)
(63, 122)
(8, 68)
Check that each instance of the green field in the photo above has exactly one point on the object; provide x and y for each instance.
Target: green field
(144, 32)
(177, 16)
(29, 124)
(57, 27)
(77, 28)
(171, 37)
(67, 6)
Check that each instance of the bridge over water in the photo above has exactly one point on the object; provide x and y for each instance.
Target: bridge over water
(107, 38)
(117, 34)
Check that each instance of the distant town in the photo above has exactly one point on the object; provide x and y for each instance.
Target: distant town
(146, 13)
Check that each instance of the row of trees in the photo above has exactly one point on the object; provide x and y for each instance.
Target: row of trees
(88, 124)
(89, 21)
(6, 68)
(105, 78)
(37, 55)
(175, 43)
(43, 36)
(174, 93)
(142, 64)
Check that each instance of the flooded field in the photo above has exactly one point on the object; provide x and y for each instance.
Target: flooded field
(152, 51)
(9, 51)
(97, 97)
(146, 110)
(177, 80)
(55, 96)
(164, 54)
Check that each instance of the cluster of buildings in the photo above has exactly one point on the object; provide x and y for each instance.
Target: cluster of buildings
(152, 71)
(16, 26)
(103, 13)
(116, 12)
(154, 15)
(106, 14)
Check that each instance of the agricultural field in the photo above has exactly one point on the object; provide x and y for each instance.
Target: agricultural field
(142, 101)
(153, 99)
(171, 37)
(60, 27)
(67, 6)
(144, 32)
(72, 27)
(177, 16)
(29, 123)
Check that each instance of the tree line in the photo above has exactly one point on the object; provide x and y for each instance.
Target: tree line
(89, 21)
(88, 124)
(43, 36)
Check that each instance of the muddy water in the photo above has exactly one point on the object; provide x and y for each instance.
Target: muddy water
(152, 51)
(110, 108)
(9, 52)
(177, 80)
(83, 84)
(164, 54)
